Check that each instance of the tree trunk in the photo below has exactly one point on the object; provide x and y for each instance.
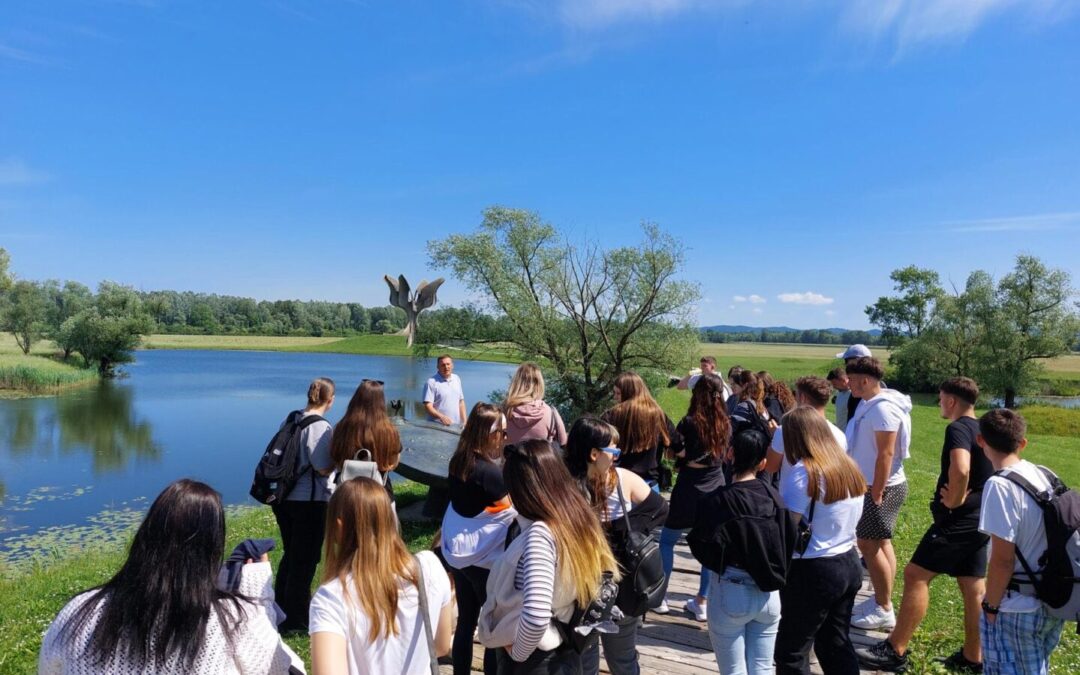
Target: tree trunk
(1010, 398)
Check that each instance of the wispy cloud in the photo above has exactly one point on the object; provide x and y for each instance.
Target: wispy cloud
(807, 298)
(21, 55)
(753, 299)
(601, 13)
(1029, 223)
(757, 310)
(912, 22)
(14, 171)
(830, 312)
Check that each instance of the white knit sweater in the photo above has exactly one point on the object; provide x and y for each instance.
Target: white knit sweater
(258, 647)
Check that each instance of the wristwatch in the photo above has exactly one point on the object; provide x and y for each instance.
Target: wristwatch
(990, 609)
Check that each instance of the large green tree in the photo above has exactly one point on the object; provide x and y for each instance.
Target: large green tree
(589, 312)
(908, 314)
(24, 311)
(107, 333)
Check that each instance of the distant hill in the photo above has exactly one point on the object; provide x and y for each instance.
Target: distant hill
(778, 329)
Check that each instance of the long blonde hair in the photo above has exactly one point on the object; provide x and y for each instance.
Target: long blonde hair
(807, 437)
(639, 419)
(526, 385)
(362, 540)
(542, 489)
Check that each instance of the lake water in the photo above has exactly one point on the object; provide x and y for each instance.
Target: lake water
(201, 414)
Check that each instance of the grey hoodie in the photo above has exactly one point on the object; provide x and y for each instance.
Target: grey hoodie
(535, 419)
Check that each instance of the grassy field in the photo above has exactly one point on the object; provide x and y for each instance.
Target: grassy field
(241, 342)
(38, 372)
(30, 598)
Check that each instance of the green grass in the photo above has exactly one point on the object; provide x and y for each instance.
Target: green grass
(941, 632)
(31, 595)
(21, 374)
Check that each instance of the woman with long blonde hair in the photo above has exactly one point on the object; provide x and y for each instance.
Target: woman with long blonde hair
(366, 426)
(475, 524)
(826, 488)
(527, 415)
(365, 617)
(557, 562)
(645, 431)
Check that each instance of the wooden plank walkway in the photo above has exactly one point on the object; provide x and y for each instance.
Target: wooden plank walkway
(676, 644)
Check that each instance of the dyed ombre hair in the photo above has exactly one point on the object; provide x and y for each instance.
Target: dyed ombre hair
(542, 489)
(808, 438)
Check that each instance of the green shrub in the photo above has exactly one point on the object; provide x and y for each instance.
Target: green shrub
(1052, 420)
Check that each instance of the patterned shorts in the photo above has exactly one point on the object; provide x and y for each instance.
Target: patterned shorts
(1019, 643)
(879, 520)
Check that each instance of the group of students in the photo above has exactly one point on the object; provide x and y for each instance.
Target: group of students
(777, 502)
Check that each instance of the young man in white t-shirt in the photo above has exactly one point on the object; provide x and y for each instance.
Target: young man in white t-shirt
(1017, 633)
(809, 391)
(879, 437)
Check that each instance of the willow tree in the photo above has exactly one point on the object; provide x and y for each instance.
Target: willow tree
(586, 311)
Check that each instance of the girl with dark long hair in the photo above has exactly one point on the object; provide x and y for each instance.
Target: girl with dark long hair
(706, 433)
(475, 525)
(366, 426)
(778, 396)
(366, 616)
(558, 560)
(644, 429)
(617, 496)
(163, 611)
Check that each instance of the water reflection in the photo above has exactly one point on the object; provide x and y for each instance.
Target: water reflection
(104, 425)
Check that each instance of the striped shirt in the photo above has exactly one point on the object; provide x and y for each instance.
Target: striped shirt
(535, 577)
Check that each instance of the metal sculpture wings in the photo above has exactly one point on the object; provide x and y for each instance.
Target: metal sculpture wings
(401, 296)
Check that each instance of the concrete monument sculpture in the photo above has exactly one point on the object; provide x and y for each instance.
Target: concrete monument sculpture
(424, 298)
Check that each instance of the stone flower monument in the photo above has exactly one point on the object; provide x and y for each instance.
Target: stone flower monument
(424, 298)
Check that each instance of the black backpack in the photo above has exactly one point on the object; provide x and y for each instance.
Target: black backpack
(643, 582)
(278, 468)
(1053, 579)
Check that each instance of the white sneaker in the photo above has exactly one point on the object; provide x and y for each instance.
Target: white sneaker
(662, 608)
(696, 610)
(878, 618)
(863, 608)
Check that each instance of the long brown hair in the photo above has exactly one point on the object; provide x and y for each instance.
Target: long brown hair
(750, 389)
(543, 490)
(778, 389)
(708, 412)
(526, 385)
(637, 417)
(366, 425)
(587, 434)
(362, 540)
(807, 437)
(477, 440)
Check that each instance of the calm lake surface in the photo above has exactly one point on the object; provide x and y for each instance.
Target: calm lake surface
(201, 414)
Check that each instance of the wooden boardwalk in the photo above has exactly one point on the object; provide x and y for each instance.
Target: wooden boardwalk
(676, 644)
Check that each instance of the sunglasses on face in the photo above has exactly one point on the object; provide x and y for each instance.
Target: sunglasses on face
(614, 452)
(378, 382)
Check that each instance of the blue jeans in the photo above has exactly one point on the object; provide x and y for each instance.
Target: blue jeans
(743, 622)
(668, 539)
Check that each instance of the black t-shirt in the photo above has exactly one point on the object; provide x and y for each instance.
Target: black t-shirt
(961, 434)
(646, 463)
(481, 489)
(695, 450)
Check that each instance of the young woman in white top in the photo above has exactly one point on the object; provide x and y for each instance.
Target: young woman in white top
(365, 618)
(591, 451)
(163, 612)
(825, 486)
(557, 560)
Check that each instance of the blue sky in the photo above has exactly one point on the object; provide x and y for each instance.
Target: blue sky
(303, 149)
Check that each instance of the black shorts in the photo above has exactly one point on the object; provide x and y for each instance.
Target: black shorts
(954, 546)
(879, 520)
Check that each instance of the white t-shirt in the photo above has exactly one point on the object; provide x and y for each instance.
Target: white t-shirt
(405, 653)
(777, 444)
(862, 443)
(445, 394)
(1011, 514)
(833, 526)
(692, 382)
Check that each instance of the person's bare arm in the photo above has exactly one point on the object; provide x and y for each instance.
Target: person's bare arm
(999, 572)
(444, 634)
(956, 490)
(461, 410)
(328, 656)
(430, 407)
(684, 383)
(773, 460)
(886, 448)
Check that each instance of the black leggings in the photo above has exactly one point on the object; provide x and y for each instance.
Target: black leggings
(302, 525)
(470, 586)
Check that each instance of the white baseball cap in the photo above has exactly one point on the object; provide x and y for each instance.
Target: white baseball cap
(854, 352)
